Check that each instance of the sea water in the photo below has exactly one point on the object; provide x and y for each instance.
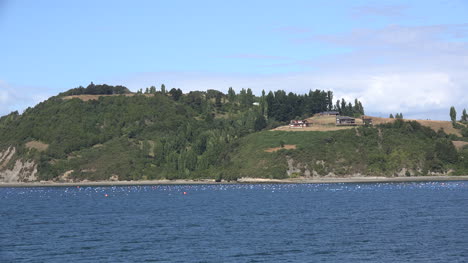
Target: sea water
(352, 222)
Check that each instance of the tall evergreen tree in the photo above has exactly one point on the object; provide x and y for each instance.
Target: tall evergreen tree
(464, 116)
(453, 114)
(231, 95)
(330, 100)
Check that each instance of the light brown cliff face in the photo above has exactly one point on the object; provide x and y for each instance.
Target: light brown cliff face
(16, 170)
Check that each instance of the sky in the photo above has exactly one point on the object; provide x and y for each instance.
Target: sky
(394, 56)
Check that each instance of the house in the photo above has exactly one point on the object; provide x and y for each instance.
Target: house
(298, 124)
(345, 121)
(329, 113)
(366, 120)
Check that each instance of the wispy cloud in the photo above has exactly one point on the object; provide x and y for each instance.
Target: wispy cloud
(417, 70)
(396, 36)
(420, 71)
(14, 98)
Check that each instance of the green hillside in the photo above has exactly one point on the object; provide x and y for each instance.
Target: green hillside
(397, 149)
(161, 134)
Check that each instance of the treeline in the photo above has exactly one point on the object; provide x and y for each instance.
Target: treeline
(93, 89)
(284, 107)
(397, 116)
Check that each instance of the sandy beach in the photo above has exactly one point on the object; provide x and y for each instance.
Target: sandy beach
(244, 180)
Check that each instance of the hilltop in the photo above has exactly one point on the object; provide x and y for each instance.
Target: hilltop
(106, 132)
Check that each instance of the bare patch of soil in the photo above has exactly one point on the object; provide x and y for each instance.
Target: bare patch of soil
(459, 144)
(40, 146)
(286, 146)
(96, 97)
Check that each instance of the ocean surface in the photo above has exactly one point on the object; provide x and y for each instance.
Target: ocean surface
(353, 222)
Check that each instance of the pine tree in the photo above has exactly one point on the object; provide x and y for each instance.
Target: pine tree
(391, 116)
(330, 100)
(231, 95)
(453, 114)
(464, 116)
(263, 103)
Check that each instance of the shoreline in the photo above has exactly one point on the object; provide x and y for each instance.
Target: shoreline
(244, 180)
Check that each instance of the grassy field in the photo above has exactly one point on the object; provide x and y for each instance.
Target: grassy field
(96, 97)
(327, 123)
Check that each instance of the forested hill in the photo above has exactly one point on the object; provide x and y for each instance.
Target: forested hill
(159, 134)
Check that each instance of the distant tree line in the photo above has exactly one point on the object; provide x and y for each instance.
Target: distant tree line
(93, 89)
(397, 116)
(284, 107)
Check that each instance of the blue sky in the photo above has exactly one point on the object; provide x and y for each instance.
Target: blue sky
(396, 56)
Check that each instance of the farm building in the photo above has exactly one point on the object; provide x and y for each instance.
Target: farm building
(345, 121)
(329, 113)
(298, 124)
(366, 120)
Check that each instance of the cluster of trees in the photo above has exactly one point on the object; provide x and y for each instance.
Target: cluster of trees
(348, 109)
(453, 115)
(284, 107)
(93, 89)
(397, 116)
(463, 119)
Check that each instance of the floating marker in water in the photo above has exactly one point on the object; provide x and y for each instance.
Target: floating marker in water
(185, 193)
(106, 195)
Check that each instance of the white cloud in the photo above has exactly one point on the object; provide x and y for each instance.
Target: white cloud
(14, 98)
(419, 70)
(417, 94)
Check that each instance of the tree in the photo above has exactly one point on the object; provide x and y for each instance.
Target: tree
(453, 114)
(260, 123)
(218, 98)
(337, 106)
(262, 103)
(175, 93)
(163, 89)
(391, 116)
(270, 101)
(464, 116)
(231, 95)
(281, 143)
(330, 100)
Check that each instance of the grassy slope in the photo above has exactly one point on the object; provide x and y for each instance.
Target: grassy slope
(364, 150)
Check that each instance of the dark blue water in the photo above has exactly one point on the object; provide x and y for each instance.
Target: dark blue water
(382, 222)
